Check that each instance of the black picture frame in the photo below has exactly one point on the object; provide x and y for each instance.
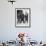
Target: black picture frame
(19, 21)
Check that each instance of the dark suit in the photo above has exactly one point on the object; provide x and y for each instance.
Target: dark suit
(22, 17)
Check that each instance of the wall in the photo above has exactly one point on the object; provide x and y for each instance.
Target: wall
(8, 30)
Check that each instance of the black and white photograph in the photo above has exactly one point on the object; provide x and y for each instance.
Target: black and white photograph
(22, 17)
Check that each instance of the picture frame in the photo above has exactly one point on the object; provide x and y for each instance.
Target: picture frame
(22, 17)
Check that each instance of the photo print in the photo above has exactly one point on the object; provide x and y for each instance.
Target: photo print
(22, 17)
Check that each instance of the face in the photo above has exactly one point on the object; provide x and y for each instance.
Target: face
(21, 35)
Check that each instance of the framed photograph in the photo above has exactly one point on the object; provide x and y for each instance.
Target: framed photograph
(22, 17)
